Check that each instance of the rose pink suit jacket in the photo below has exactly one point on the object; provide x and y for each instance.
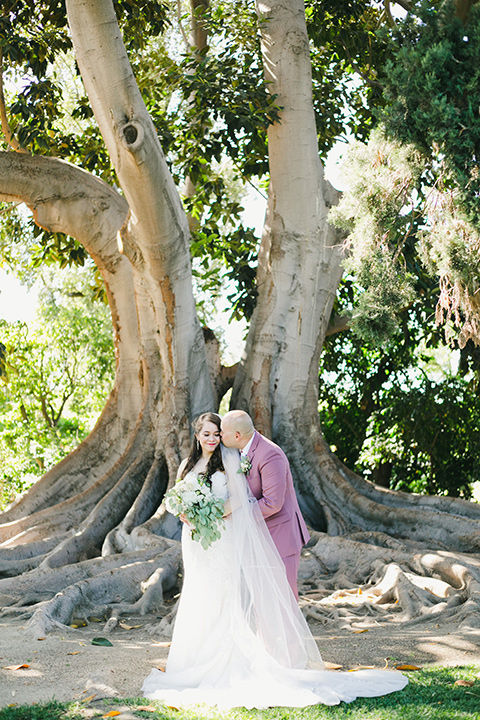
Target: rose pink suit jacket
(271, 483)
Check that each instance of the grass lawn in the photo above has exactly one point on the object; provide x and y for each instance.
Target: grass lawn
(431, 694)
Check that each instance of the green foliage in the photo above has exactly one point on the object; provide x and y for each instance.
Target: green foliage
(348, 58)
(433, 94)
(429, 435)
(47, 110)
(381, 211)
(55, 378)
(396, 417)
(25, 247)
(215, 129)
(211, 111)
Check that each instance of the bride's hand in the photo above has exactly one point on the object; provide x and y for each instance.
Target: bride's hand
(183, 518)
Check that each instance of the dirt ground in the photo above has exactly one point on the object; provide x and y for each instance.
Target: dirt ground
(66, 666)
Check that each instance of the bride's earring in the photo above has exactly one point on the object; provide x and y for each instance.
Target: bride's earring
(197, 444)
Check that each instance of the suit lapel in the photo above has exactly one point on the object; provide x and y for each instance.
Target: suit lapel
(254, 445)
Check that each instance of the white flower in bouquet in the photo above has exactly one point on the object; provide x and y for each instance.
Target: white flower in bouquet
(193, 497)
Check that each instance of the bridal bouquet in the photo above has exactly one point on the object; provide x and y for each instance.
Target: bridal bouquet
(193, 497)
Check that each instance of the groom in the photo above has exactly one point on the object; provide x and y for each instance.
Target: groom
(270, 480)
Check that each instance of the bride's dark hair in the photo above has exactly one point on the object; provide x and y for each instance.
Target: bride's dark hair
(215, 463)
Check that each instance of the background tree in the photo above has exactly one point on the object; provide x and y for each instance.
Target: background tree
(99, 509)
(372, 379)
(57, 375)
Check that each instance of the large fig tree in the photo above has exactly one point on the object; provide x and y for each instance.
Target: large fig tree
(92, 536)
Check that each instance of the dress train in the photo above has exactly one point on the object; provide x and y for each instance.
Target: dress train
(239, 638)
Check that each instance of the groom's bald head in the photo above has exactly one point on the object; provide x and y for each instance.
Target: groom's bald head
(237, 429)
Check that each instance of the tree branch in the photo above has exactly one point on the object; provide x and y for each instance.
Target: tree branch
(338, 324)
(180, 25)
(463, 8)
(9, 137)
(404, 4)
(369, 81)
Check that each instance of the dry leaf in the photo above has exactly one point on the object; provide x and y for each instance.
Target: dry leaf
(88, 699)
(44, 638)
(75, 652)
(112, 713)
(146, 708)
(128, 627)
(78, 622)
(162, 644)
(362, 667)
(15, 667)
(332, 666)
(465, 683)
(360, 631)
(407, 667)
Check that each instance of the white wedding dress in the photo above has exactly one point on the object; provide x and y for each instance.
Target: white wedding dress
(240, 639)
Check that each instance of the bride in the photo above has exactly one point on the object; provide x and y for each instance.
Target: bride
(240, 639)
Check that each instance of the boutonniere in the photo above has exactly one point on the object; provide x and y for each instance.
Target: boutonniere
(245, 464)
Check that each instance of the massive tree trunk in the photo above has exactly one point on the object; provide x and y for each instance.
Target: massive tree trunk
(105, 498)
(100, 510)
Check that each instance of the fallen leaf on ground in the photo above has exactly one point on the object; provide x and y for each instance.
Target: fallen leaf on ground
(44, 638)
(332, 666)
(407, 667)
(75, 652)
(88, 699)
(465, 683)
(112, 713)
(146, 708)
(362, 667)
(128, 627)
(162, 644)
(15, 667)
(101, 641)
(360, 631)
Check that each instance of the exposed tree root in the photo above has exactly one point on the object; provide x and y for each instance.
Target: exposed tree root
(118, 586)
(41, 582)
(355, 583)
(336, 500)
(20, 559)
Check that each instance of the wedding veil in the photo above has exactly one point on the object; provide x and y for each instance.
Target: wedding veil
(266, 599)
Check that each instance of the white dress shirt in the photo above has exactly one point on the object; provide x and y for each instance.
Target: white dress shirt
(244, 451)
